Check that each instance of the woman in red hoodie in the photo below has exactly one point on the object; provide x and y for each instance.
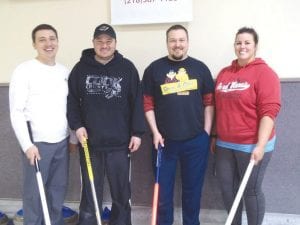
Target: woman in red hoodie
(247, 95)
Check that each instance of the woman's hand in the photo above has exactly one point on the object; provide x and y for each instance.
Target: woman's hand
(213, 141)
(257, 154)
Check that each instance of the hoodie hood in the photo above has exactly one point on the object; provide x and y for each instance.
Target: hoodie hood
(257, 61)
(88, 57)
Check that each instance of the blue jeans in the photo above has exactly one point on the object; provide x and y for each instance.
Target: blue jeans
(192, 155)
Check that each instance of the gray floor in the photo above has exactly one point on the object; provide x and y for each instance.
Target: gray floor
(142, 215)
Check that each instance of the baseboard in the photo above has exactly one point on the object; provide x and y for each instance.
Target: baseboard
(140, 214)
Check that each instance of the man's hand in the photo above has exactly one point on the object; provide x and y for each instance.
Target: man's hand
(81, 134)
(32, 153)
(134, 143)
(158, 140)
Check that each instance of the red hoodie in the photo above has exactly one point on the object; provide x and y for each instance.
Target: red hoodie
(243, 96)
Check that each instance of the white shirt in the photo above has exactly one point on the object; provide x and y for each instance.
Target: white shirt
(38, 93)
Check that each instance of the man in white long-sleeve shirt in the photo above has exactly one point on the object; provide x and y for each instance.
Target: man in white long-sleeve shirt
(37, 95)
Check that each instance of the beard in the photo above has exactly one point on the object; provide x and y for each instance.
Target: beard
(176, 57)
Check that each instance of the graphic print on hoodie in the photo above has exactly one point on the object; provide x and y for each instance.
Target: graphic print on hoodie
(104, 85)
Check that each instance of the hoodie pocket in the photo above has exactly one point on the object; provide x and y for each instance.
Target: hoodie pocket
(235, 123)
(107, 128)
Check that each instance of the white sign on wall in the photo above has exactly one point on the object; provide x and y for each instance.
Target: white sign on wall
(150, 11)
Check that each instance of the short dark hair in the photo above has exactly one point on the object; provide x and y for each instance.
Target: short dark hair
(177, 27)
(248, 30)
(42, 27)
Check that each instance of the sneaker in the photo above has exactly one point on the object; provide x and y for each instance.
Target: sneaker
(3, 218)
(18, 217)
(105, 216)
(70, 216)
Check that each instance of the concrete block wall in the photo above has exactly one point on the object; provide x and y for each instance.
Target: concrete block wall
(281, 184)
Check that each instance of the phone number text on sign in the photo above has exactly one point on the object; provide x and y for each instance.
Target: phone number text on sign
(145, 1)
(150, 11)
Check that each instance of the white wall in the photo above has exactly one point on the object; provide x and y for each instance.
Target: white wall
(211, 32)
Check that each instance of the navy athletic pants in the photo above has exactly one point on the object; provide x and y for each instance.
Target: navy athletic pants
(192, 155)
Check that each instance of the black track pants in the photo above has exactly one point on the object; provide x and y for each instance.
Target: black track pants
(116, 166)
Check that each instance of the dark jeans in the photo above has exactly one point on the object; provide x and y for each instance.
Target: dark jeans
(231, 166)
(192, 155)
(116, 166)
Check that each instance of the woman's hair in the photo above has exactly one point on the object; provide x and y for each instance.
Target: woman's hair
(248, 30)
(42, 27)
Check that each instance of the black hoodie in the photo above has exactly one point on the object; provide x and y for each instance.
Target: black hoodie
(106, 100)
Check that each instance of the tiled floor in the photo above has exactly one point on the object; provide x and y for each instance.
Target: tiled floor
(142, 215)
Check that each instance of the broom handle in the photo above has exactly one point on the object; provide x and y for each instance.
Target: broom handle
(42, 193)
(156, 187)
(240, 192)
(91, 178)
(40, 182)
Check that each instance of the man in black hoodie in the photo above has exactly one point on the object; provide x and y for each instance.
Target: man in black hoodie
(105, 107)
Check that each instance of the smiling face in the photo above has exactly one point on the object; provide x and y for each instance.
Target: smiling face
(46, 45)
(245, 48)
(105, 47)
(177, 44)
